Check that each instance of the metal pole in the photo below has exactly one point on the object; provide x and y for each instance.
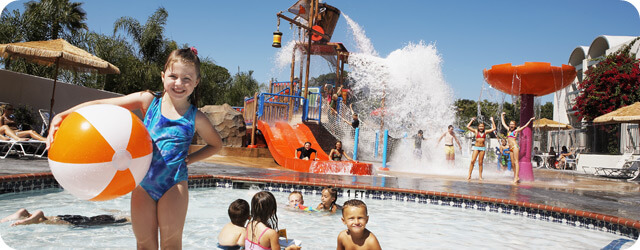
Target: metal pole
(355, 145)
(384, 148)
(53, 94)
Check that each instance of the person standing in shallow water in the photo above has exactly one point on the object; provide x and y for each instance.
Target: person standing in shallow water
(448, 145)
(479, 148)
(512, 136)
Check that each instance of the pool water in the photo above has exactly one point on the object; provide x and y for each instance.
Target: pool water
(398, 225)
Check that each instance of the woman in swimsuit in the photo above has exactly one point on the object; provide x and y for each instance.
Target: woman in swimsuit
(9, 127)
(337, 153)
(512, 136)
(479, 148)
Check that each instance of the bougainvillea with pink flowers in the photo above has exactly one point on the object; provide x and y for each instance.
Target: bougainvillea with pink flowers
(611, 84)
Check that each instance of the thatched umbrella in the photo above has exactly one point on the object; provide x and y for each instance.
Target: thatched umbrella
(545, 125)
(626, 114)
(59, 53)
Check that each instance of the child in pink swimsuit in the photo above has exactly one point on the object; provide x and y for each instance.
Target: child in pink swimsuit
(260, 230)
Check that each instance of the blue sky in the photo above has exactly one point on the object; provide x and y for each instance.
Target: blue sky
(469, 35)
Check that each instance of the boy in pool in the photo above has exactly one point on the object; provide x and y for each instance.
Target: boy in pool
(233, 234)
(357, 236)
(295, 199)
(23, 217)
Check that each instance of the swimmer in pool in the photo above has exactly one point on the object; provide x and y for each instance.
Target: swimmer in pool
(295, 199)
(233, 234)
(328, 200)
(23, 217)
(357, 236)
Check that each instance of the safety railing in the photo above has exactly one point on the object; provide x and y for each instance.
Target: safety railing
(313, 107)
(249, 110)
(277, 107)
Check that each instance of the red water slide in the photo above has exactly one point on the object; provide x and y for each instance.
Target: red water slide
(283, 140)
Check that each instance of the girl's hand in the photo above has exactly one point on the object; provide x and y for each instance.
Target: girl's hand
(503, 113)
(53, 128)
(473, 118)
(491, 118)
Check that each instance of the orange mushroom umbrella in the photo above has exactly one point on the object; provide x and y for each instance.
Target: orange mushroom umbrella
(535, 78)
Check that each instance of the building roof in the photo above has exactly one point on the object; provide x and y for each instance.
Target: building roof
(601, 44)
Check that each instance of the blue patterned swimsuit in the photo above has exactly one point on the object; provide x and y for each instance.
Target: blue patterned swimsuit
(171, 140)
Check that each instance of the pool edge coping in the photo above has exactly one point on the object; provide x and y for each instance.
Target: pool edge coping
(630, 223)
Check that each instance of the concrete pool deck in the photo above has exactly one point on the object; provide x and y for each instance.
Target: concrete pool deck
(553, 188)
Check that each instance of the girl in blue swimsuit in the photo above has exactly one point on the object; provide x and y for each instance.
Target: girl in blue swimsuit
(479, 148)
(512, 137)
(160, 202)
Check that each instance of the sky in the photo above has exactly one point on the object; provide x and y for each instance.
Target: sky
(469, 35)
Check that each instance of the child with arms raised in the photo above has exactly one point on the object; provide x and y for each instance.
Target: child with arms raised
(159, 203)
(232, 235)
(262, 228)
(357, 236)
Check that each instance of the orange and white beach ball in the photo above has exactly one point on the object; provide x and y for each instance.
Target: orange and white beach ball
(100, 152)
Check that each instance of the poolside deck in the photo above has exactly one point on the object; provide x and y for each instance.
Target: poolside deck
(554, 188)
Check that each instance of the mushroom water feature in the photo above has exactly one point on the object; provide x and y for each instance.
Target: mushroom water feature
(528, 81)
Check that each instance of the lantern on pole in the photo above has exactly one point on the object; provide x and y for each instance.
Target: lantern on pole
(277, 37)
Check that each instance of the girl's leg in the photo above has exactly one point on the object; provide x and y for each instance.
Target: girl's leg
(35, 218)
(20, 214)
(516, 164)
(480, 161)
(172, 212)
(474, 156)
(144, 219)
(30, 133)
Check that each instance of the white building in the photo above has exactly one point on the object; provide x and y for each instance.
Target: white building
(583, 58)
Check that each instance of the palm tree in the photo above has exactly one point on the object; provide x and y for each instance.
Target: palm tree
(53, 19)
(149, 38)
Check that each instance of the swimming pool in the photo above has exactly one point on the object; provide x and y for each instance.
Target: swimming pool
(397, 224)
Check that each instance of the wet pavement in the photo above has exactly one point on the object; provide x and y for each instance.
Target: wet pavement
(554, 188)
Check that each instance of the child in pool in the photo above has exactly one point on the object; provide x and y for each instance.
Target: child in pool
(505, 157)
(159, 203)
(232, 235)
(357, 236)
(512, 136)
(479, 148)
(23, 217)
(262, 228)
(295, 199)
(328, 200)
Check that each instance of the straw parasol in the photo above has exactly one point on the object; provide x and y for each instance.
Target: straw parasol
(59, 53)
(626, 114)
(545, 123)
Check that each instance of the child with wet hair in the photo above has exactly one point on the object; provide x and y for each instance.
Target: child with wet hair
(233, 234)
(262, 230)
(357, 236)
(295, 199)
(328, 200)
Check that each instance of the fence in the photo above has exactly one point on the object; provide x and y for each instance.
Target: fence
(277, 107)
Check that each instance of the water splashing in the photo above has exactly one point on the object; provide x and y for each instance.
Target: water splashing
(416, 96)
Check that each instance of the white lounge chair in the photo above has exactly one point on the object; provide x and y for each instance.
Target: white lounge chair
(626, 168)
(30, 148)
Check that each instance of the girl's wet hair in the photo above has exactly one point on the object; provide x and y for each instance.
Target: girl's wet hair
(189, 57)
(264, 208)
(334, 193)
